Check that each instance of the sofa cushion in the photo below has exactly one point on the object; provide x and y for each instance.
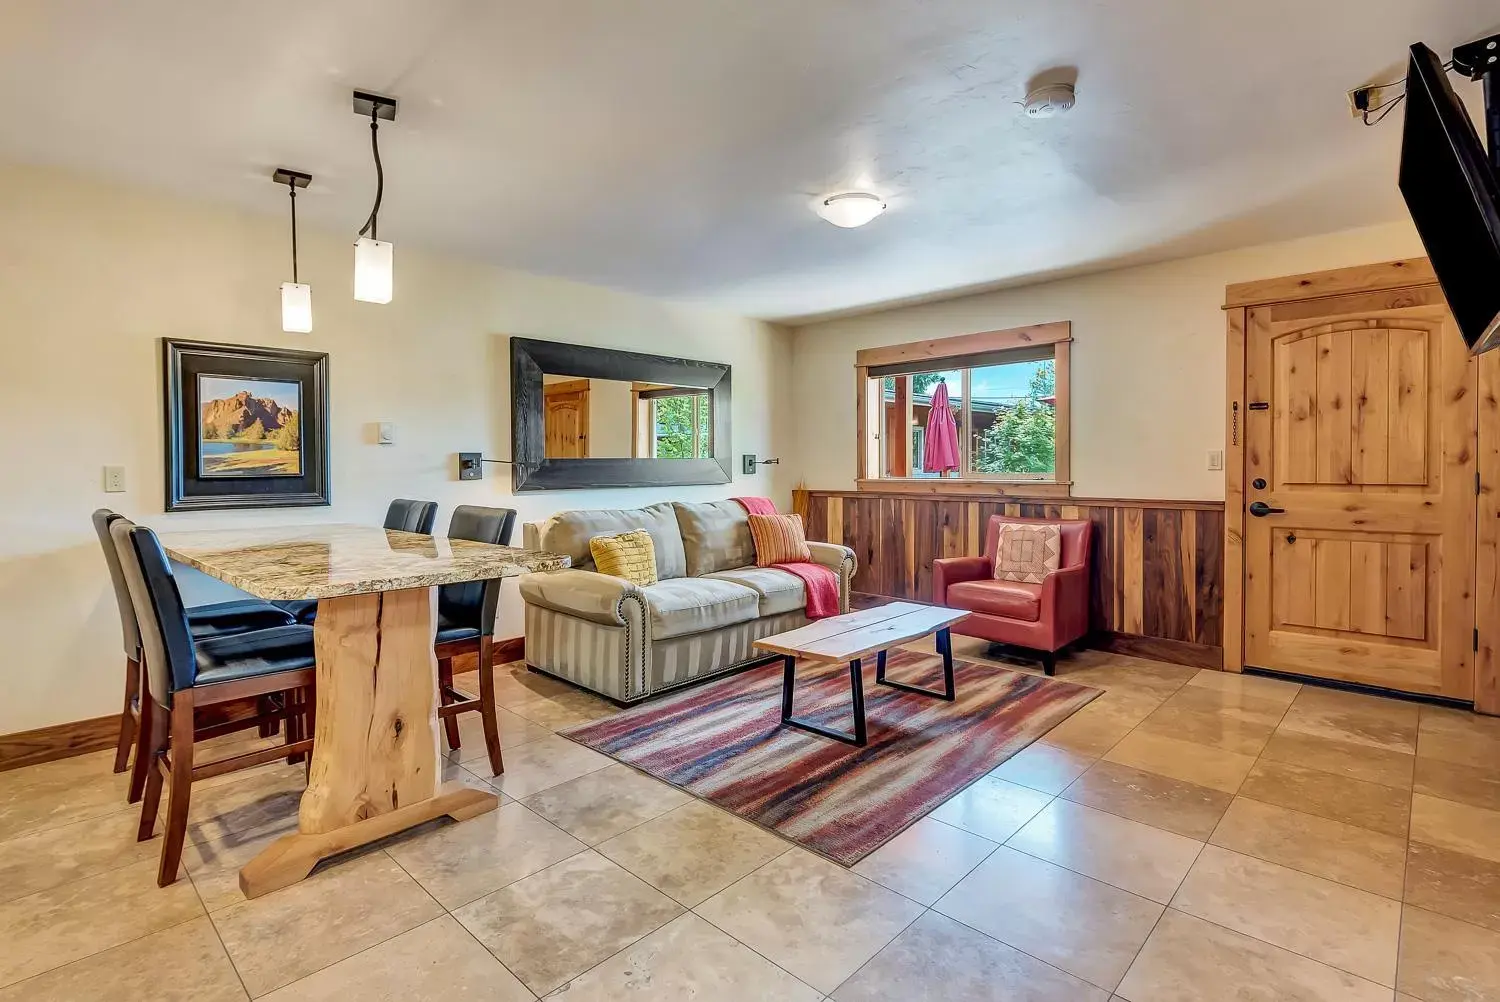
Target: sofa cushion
(1010, 599)
(715, 536)
(780, 591)
(683, 606)
(570, 531)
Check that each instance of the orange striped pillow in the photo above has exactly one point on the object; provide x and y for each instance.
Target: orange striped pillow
(779, 539)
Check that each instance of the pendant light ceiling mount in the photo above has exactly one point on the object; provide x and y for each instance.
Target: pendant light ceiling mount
(374, 263)
(295, 178)
(368, 104)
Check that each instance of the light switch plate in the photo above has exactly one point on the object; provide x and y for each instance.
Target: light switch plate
(470, 466)
(385, 433)
(1216, 459)
(747, 465)
(114, 479)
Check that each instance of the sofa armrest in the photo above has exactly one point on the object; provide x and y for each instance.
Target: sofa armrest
(832, 555)
(1065, 602)
(951, 570)
(598, 598)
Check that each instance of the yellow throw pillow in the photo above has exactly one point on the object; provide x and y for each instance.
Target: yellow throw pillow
(779, 539)
(630, 555)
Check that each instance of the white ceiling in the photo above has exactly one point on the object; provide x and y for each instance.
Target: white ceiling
(674, 147)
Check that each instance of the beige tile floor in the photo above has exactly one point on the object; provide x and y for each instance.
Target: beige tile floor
(1187, 836)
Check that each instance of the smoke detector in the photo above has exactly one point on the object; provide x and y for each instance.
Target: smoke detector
(1050, 101)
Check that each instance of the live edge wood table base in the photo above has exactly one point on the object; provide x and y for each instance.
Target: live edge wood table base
(853, 637)
(376, 769)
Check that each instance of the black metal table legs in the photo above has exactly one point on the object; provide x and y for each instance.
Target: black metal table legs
(945, 648)
(856, 690)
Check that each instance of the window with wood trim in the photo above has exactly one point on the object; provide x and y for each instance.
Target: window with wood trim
(1007, 394)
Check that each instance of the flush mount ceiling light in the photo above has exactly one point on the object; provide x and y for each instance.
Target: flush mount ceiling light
(851, 208)
(374, 263)
(296, 299)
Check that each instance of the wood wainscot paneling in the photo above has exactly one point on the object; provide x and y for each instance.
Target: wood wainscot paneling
(1157, 586)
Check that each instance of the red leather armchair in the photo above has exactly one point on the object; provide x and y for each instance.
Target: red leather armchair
(1044, 617)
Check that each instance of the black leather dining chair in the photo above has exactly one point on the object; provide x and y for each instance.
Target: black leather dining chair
(204, 621)
(403, 514)
(411, 516)
(183, 675)
(466, 625)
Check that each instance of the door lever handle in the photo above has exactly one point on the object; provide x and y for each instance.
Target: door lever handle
(1260, 509)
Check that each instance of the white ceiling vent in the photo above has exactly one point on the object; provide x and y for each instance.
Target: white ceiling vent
(1050, 101)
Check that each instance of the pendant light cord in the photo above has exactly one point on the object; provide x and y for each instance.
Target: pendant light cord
(291, 186)
(372, 225)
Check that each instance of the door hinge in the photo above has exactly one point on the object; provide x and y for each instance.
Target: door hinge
(1477, 490)
(1476, 638)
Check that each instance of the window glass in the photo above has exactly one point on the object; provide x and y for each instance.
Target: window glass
(1013, 419)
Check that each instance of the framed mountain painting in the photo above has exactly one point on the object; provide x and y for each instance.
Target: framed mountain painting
(246, 427)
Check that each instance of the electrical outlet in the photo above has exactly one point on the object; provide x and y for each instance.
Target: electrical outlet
(747, 465)
(1216, 459)
(114, 479)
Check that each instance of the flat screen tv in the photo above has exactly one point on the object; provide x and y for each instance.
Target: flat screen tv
(1454, 198)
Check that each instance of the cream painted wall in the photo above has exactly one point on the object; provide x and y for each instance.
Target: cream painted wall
(92, 275)
(1147, 361)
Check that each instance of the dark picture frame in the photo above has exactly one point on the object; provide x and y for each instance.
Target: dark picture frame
(530, 359)
(187, 365)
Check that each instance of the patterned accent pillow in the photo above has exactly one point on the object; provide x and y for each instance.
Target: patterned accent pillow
(779, 539)
(629, 555)
(1027, 553)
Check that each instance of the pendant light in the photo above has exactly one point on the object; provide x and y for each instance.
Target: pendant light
(373, 257)
(296, 298)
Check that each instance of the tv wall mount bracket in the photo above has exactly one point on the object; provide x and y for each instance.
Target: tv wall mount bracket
(1480, 60)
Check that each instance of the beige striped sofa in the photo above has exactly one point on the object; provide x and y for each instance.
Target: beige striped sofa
(630, 643)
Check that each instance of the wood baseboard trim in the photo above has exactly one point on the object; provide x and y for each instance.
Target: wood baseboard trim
(1159, 649)
(47, 744)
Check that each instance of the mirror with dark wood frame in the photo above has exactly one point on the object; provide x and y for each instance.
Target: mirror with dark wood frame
(587, 417)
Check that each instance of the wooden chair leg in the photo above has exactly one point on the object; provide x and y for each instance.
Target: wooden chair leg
(445, 682)
(295, 704)
(145, 752)
(268, 728)
(487, 706)
(155, 724)
(178, 798)
(128, 725)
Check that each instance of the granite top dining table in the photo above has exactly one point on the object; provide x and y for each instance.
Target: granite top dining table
(376, 768)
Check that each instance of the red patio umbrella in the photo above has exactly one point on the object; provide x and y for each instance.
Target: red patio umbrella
(940, 453)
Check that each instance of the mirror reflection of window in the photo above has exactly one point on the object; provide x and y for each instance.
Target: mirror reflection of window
(673, 422)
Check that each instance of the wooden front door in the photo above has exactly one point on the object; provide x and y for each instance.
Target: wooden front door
(1366, 441)
(566, 419)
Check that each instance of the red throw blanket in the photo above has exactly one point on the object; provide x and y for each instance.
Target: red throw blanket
(820, 583)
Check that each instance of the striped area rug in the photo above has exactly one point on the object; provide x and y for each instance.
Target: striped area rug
(722, 742)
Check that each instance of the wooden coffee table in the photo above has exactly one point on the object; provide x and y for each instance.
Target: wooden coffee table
(853, 637)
